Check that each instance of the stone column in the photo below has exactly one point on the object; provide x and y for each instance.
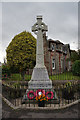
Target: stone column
(40, 78)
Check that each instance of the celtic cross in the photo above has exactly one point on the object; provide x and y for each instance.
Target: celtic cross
(39, 28)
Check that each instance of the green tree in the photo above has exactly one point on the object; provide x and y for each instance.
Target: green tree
(76, 68)
(75, 55)
(79, 54)
(21, 52)
(5, 70)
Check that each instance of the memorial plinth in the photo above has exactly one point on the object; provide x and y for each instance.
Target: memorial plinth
(40, 78)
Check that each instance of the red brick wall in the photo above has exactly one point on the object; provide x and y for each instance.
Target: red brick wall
(49, 55)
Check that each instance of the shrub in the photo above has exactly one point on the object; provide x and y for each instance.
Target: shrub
(76, 68)
(5, 71)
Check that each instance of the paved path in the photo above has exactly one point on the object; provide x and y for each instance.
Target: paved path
(71, 112)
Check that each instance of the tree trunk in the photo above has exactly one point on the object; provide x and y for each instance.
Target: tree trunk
(23, 75)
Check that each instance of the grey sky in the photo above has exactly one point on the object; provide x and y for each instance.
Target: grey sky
(61, 18)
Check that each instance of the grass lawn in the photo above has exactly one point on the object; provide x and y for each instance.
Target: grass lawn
(63, 76)
(17, 77)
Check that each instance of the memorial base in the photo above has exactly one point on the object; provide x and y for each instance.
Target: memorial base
(40, 82)
(40, 79)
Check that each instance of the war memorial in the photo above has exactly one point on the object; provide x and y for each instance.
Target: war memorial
(40, 82)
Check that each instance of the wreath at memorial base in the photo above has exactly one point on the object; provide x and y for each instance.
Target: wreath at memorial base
(31, 95)
(44, 96)
(49, 94)
(40, 90)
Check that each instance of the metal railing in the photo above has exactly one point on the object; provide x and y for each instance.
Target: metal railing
(15, 94)
(14, 88)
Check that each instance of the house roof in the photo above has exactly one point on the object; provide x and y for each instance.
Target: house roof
(55, 41)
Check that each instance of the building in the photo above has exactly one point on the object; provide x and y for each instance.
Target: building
(56, 56)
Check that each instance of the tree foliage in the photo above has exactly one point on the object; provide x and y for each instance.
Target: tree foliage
(76, 68)
(21, 51)
(75, 55)
(5, 70)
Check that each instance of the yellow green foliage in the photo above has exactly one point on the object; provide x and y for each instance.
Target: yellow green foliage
(21, 52)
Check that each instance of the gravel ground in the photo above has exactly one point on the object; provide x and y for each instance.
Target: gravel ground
(23, 114)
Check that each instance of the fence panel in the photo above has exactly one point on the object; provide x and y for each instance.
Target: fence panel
(15, 95)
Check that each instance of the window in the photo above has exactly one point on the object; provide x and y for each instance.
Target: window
(69, 65)
(52, 47)
(56, 46)
(53, 64)
(61, 49)
(65, 51)
(61, 63)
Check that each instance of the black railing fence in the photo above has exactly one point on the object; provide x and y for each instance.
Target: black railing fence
(66, 93)
(65, 85)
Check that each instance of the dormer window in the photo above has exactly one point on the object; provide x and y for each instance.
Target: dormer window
(52, 47)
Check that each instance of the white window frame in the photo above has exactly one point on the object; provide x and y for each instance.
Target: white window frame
(61, 63)
(53, 61)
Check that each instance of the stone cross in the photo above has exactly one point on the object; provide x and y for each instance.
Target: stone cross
(39, 28)
(40, 78)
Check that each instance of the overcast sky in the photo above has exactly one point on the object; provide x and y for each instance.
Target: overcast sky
(61, 18)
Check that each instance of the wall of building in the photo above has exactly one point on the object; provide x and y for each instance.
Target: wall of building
(57, 54)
